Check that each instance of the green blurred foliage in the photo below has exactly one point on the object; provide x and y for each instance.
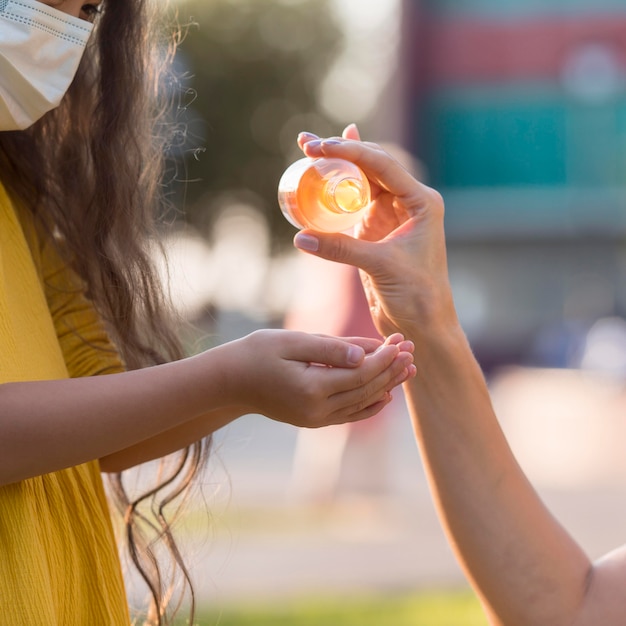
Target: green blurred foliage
(444, 608)
(251, 71)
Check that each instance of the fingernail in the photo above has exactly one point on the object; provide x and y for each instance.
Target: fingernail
(308, 136)
(306, 242)
(355, 355)
(331, 142)
(314, 143)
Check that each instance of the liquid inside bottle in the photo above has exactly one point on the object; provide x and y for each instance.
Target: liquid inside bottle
(327, 195)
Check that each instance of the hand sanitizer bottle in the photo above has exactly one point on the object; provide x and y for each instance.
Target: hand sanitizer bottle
(324, 194)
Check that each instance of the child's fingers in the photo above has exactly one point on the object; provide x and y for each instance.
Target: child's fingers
(324, 351)
(369, 344)
(367, 412)
(360, 394)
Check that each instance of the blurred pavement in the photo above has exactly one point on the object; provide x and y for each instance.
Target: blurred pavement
(566, 427)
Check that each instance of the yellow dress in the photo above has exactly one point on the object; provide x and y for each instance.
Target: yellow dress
(59, 564)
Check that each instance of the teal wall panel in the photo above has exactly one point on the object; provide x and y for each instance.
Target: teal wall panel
(486, 143)
(528, 143)
(523, 136)
(493, 9)
(526, 159)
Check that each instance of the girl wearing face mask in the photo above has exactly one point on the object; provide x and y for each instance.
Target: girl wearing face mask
(91, 374)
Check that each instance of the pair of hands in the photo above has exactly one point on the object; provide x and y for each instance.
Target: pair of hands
(311, 381)
(316, 380)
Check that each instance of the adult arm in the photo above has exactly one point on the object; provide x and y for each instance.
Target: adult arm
(524, 565)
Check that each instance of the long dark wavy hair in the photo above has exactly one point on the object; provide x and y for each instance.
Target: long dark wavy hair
(92, 173)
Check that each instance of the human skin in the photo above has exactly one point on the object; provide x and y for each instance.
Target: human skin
(525, 567)
(127, 418)
(76, 8)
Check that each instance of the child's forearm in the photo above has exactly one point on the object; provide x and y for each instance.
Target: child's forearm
(171, 440)
(50, 425)
(302, 379)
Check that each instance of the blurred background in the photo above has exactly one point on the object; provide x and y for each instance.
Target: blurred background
(516, 111)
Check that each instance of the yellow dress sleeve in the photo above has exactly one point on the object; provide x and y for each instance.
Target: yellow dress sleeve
(86, 346)
(59, 562)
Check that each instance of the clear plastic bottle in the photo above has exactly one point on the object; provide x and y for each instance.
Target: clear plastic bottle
(327, 195)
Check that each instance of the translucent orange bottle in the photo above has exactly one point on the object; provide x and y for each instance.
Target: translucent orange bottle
(327, 195)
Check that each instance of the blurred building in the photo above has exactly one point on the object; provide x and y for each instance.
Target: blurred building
(518, 110)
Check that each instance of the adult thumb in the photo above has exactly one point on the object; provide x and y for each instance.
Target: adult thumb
(339, 248)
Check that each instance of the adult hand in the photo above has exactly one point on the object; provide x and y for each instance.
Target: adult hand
(526, 568)
(400, 243)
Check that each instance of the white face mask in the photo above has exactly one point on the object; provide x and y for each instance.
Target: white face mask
(40, 49)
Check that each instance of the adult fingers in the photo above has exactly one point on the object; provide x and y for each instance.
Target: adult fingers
(351, 131)
(305, 137)
(379, 166)
(367, 255)
(382, 169)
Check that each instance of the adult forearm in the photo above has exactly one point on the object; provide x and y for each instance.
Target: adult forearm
(523, 564)
(526, 568)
